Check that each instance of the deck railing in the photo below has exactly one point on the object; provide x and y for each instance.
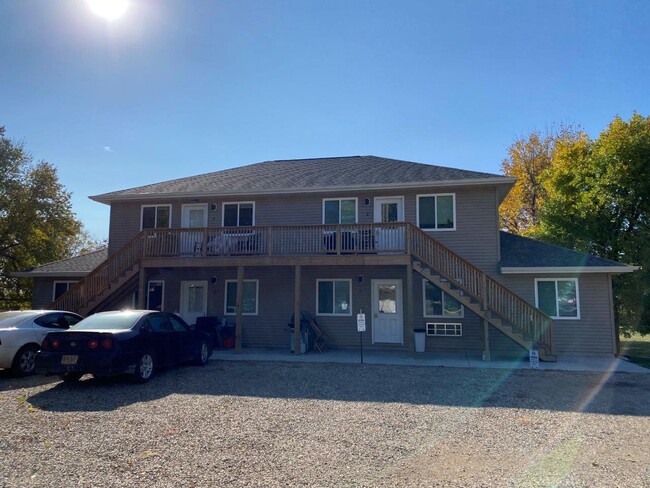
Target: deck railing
(276, 240)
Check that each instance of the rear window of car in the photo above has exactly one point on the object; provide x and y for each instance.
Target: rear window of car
(109, 321)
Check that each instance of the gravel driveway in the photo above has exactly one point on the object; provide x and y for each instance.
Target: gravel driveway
(295, 424)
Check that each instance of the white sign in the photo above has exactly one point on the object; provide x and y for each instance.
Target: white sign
(361, 322)
(533, 354)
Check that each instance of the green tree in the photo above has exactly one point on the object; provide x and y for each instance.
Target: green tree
(529, 159)
(598, 201)
(37, 224)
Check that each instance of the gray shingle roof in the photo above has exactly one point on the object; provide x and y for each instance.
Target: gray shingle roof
(307, 174)
(75, 266)
(523, 252)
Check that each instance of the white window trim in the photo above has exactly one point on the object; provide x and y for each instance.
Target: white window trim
(196, 205)
(162, 301)
(69, 282)
(142, 207)
(356, 209)
(223, 212)
(417, 210)
(257, 298)
(333, 314)
(457, 325)
(424, 303)
(575, 280)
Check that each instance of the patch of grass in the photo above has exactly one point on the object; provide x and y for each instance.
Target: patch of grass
(637, 349)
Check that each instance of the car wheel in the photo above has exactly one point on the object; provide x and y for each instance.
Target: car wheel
(144, 368)
(24, 361)
(203, 354)
(71, 377)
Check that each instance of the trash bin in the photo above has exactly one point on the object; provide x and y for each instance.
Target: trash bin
(419, 339)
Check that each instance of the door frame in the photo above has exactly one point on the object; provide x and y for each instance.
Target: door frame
(399, 302)
(377, 207)
(184, 297)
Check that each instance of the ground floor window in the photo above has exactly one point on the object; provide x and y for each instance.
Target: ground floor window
(557, 298)
(437, 303)
(334, 297)
(156, 295)
(250, 297)
(60, 287)
(440, 329)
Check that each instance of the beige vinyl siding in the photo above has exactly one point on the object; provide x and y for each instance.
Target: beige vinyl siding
(42, 291)
(593, 333)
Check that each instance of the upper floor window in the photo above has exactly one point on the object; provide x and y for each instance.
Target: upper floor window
(437, 212)
(239, 214)
(437, 303)
(558, 298)
(340, 211)
(156, 217)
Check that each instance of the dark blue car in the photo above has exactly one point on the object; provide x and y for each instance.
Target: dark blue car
(134, 342)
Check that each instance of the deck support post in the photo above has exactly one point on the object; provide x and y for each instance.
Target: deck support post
(296, 311)
(142, 288)
(240, 299)
(410, 334)
(486, 333)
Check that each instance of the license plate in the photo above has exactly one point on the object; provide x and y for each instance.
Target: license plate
(69, 359)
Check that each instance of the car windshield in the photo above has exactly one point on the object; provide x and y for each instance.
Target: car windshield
(109, 321)
(10, 319)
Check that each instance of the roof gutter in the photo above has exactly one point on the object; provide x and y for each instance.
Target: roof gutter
(108, 198)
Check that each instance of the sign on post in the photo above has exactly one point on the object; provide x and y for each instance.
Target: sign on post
(361, 322)
(533, 354)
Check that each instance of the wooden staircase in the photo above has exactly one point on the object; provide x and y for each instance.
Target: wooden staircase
(478, 292)
(103, 281)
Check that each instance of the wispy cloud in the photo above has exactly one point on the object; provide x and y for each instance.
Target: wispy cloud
(108, 149)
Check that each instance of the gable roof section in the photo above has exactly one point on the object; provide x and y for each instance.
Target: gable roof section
(76, 266)
(524, 255)
(305, 175)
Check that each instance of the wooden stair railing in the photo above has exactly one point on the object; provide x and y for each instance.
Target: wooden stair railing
(113, 270)
(485, 296)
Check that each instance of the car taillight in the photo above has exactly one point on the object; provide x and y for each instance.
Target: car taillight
(45, 344)
(93, 343)
(107, 343)
(55, 343)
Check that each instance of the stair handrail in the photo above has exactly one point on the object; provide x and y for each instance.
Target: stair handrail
(491, 294)
(99, 279)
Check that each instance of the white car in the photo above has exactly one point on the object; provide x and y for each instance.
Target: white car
(22, 332)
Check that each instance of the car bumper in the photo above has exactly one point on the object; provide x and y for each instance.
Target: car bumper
(101, 363)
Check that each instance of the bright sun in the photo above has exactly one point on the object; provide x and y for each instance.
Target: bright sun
(109, 9)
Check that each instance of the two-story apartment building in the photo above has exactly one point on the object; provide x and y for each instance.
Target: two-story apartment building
(411, 245)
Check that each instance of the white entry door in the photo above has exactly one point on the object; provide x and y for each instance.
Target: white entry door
(389, 210)
(194, 300)
(193, 216)
(387, 315)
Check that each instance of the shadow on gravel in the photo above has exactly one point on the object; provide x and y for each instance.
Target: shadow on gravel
(618, 394)
(10, 381)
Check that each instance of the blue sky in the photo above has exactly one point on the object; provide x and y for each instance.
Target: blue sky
(182, 87)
